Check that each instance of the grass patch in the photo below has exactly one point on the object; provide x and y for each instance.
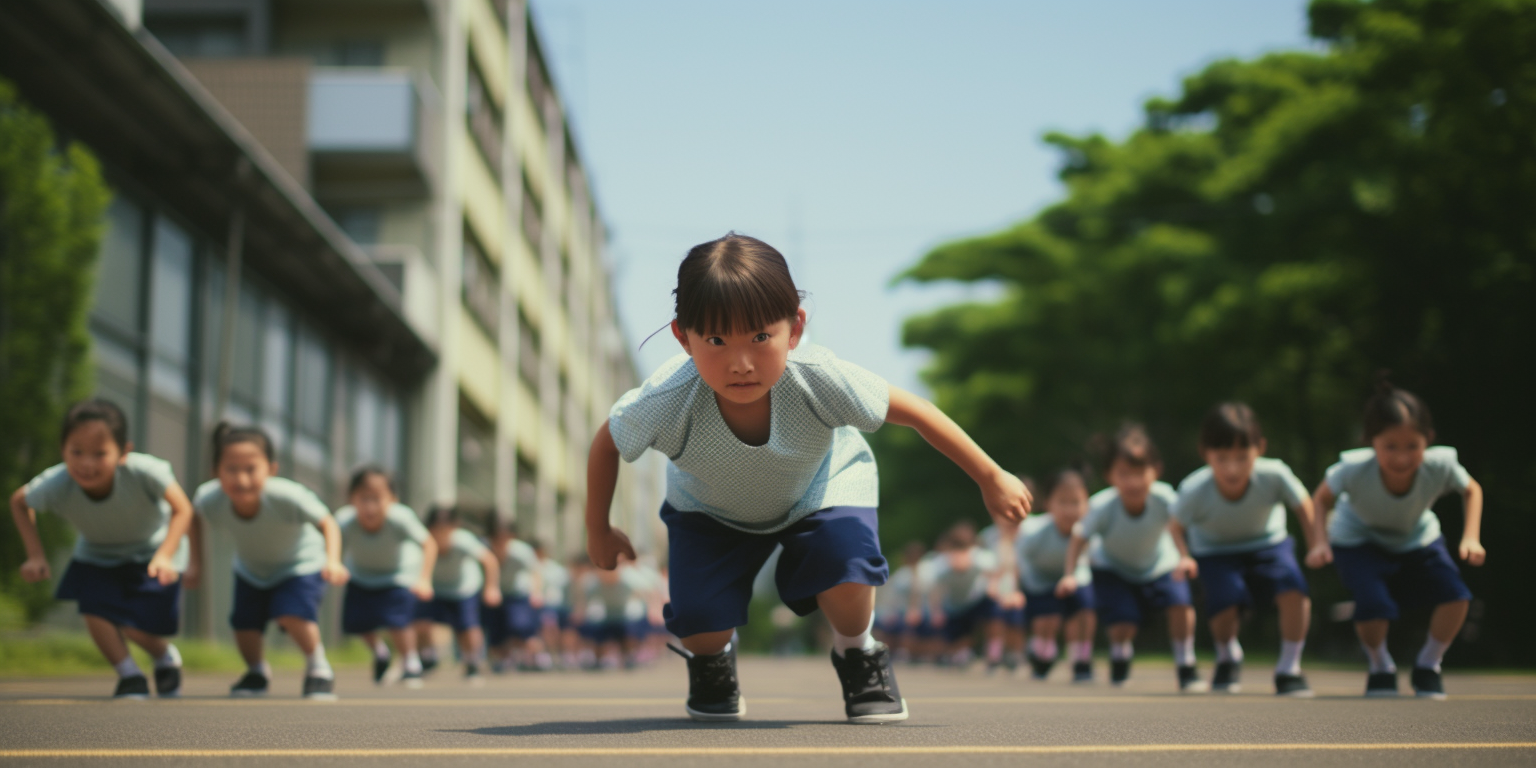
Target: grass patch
(59, 654)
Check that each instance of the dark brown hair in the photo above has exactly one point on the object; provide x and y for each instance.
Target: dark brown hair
(1391, 407)
(366, 471)
(97, 409)
(1230, 425)
(439, 514)
(1061, 476)
(226, 434)
(1131, 445)
(733, 285)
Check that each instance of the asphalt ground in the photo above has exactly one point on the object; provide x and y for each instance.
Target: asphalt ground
(794, 713)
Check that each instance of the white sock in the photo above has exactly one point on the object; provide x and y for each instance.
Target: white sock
(1184, 652)
(1082, 650)
(1231, 651)
(1044, 648)
(1290, 657)
(127, 667)
(864, 641)
(380, 650)
(316, 665)
(260, 668)
(1381, 661)
(1432, 653)
(1121, 651)
(171, 659)
(412, 662)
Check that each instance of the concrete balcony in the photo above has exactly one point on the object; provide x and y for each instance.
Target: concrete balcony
(372, 134)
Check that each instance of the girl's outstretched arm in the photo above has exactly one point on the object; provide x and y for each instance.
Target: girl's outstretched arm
(1068, 583)
(423, 588)
(36, 566)
(1321, 553)
(334, 571)
(1471, 549)
(1187, 568)
(1005, 495)
(161, 566)
(492, 566)
(604, 544)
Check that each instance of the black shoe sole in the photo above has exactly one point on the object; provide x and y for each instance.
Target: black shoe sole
(718, 717)
(892, 717)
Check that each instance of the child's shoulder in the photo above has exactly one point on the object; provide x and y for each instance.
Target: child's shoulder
(1196, 480)
(402, 514)
(1164, 492)
(1034, 525)
(677, 372)
(466, 541)
(154, 467)
(1441, 456)
(209, 492)
(345, 516)
(291, 491)
(57, 474)
(1265, 465)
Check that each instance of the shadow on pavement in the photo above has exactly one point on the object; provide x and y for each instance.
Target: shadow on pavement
(638, 726)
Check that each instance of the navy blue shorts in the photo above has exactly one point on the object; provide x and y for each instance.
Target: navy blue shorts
(1037, 604)
(462, 614)
(1127, 602)
(367, 609)
(124, 595)
(1379, 580)
(556, 617)
(1011, 617)
(959, 625)
(1250, 578)
(297, 596)
(893, 624)
(514, 618)
(713, 565)
(615, 631)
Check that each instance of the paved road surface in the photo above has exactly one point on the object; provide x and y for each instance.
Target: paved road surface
(634, 718)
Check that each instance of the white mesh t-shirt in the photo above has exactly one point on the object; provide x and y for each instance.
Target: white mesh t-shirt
(814, 458)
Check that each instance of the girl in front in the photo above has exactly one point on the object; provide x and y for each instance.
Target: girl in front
(1386, 541)
(465, 576)
(762, 434)
(390, 555)
(1042, 556)
(1230, 516)
(287, 549)
(132, 519)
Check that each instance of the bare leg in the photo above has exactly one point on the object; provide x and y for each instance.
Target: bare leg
(371, 639)
(470, 642)
(423, 631)
(848, 607)
(1374, 632)
(1123, 632)
(405, 639)
(1181, 622)
(1445, 623)
(1224, 625)
(155, 645)
(109, 640)
(708, 643)
(1295, 615)
(305, 633)
(1046, 627)
(251, 645)
(1082, 626)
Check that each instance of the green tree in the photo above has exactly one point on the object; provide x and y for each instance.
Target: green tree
(1277, 232)
(51, 204)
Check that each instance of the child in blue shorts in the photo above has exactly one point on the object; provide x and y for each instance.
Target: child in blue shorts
(512, 629)
(1136, 567)
(962, 597)
(1386, 541)
(1005, 630)
(1230, 516)
(612, 607)
(465, 577)
(893, 599)
(131, 554)
(1041, 552)
(287, 549)
(762, 436)
(558, 632)
(390, 555)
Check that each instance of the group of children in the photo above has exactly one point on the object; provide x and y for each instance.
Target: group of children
(1133, 549)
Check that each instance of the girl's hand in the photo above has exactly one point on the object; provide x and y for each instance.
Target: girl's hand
(1013, 601)
(335, 573)
(1322, 555)
(535, 602)
(604, 547)
(1186, 569)
(1067, 586)
(422, 590)
(1471, 550)
(162, 570)
(35, 569)
(491, 596)
(1006, 498)
(192, 577)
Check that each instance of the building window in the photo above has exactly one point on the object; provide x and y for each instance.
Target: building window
(362, 223)
(482, 290)
(170, 344)
(527, 351)
(477, 456)
(539, 90)
(377, 417)
(277, 376)
(483, 116)
(121, 267)
(533, 216)
(527, 493)
(351, 53)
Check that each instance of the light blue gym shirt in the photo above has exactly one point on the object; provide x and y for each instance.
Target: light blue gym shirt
(1220, 526)
(127, 526)
(622, 600)
(557, 582)
(961, 589)
(1136, 548)
(389, 557)
(814, 458)
(1041, 550)
(1367, 513)
(894, 597)
(517, 569)
(281, 541)
(458, 574)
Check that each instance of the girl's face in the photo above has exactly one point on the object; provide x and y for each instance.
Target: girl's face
(1231, 467)
(92, 456)
(371, 500)
(243, 471)
(442, 532)
(742, 367)
(1068, 502)
(1400, 451)
(1133, 483)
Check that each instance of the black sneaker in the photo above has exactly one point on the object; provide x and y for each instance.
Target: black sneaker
(1294, 686)
(133, 687)
(1227, 677)
(1381, 684)
(1190, 682)
(168, 682)
(1119, 671)
(1082, 672)
(319, 688)
(253, 684)
(380, 668)
(1039, 668)
(411, 679)
(714, 693)
(1427, 683)
(870, 694)
(428, 663)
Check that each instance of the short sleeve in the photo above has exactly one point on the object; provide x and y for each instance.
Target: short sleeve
(1341, 474)
(640, 416)
(309, 506)
(43, 491)
(1182, 510)
(1444, 458)
(207, 497)
(156, 474)
(843, 394)
(345, 516)
(987, 560)
(465, 542)
(1291, 490)
(405, 519)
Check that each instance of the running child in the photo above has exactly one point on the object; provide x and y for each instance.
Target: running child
(892, 600)
(130, 556)
(1386, 540)
(1005, 630)
(962, 599)
(1042, 556)
(390, 555)
(287, 549)
(762, 436)
(465, 575)
(612, 604)
(1136, 567)
(1230, 515)
(512, 628)
(555, 616)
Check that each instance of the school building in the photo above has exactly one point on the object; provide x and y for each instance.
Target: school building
(362, 224)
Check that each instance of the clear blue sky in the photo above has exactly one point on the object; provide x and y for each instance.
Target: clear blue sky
(855, 136)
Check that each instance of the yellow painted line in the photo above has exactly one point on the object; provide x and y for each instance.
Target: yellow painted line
(651, 702)
(758, 751)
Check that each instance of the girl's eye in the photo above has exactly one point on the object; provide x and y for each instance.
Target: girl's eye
(715, 341)
(760, 337)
